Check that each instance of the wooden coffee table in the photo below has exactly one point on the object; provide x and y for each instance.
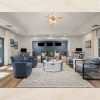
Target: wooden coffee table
(52, 67)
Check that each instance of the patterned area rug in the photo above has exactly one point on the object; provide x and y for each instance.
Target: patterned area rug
(65, 78)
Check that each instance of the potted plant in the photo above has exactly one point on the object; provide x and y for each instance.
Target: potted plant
(47, 54)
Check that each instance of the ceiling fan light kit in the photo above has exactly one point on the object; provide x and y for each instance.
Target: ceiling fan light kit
(52, 19)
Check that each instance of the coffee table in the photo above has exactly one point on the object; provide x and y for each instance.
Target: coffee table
(52, 67)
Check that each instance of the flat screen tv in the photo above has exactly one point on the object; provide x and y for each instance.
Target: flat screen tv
(23, 50)
(78, 49)
(49, 44)
(58, 44)
(40, 44)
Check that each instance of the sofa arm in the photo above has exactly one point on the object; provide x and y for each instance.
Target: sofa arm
(19, 66)
(26, 60)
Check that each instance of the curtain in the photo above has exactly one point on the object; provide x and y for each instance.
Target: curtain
(7, 48)
(94, 44)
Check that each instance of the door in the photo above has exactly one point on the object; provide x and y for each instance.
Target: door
(1, 52)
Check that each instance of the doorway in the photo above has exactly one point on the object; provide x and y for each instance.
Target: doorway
(1, 52)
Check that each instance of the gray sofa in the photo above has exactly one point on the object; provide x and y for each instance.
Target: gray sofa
(34, 59)
(21, 68)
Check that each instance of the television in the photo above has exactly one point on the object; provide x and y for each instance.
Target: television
(40, 44)
(23, 50)
(58, 44)
(49, 44)
(78, 49)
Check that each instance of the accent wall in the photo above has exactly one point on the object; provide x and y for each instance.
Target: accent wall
(39, 49)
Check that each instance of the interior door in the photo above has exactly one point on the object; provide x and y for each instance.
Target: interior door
(1, 52)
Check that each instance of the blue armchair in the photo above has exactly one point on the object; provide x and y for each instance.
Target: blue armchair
(91, 64)
(21, 68)
(70, 58)
(34, 60)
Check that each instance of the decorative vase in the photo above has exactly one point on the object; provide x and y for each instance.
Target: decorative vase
(47, 58)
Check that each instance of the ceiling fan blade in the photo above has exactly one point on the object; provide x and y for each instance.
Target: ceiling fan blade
(48, 24)
(59, 18)
(47, 17)
(57, 24)
(46, 20)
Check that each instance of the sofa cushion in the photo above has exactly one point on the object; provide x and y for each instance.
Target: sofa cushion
(16, 58)
(27, 55)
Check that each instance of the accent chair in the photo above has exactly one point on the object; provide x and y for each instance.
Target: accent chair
(34, 60)
(70, 58)
(21, 68)
(91, 64)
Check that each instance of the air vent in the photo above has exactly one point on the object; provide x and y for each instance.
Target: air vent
(9, 26)
(95, 25)
(47, 35)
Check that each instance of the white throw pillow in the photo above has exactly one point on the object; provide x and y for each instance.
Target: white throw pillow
(56, 54)
(43, 54)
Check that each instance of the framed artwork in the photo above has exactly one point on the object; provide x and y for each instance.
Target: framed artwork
(16, 45)
(11, 42)
(88, 44)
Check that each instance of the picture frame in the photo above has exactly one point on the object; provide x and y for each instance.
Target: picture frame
(16, 45)
(11, 42)
(88, 44)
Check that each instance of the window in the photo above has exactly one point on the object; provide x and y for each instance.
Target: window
(99, 47)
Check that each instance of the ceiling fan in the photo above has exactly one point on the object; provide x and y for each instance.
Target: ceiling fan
(53, 19)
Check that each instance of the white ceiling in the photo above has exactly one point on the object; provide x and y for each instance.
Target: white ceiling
(33, 22)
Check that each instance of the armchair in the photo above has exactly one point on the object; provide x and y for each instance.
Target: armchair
(21, 68)
(34, 59)
(70, 59)
(91, 64)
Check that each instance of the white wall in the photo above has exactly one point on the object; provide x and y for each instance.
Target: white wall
(2, 32)
(98, 33)
(83, 39)
(16, 37)
(73, 42)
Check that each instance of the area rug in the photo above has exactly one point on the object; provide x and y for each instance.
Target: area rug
(66, 78)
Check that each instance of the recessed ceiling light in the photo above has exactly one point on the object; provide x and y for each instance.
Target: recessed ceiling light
(34, 35)
(64, 35)
(16, 32)
(1, 23)
(83, 32)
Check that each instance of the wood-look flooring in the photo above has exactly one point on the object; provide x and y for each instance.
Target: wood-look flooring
(9, 81)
